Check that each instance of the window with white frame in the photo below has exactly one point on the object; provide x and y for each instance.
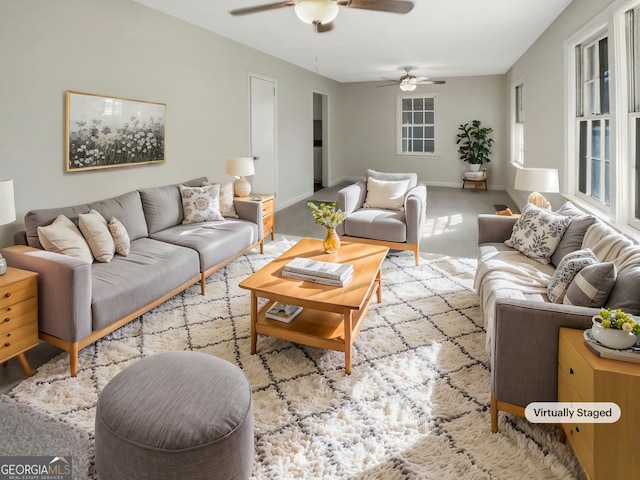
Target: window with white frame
(632, 34)
(593, 120)
(518, 125)
(416, 131)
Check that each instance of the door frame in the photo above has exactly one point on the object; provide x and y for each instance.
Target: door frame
(325, 135)
(260, 76)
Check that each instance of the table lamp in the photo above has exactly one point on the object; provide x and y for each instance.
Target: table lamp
(537, 180)
(241, 167)
(7, 211)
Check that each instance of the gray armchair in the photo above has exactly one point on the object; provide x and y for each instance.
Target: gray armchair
(399, 229)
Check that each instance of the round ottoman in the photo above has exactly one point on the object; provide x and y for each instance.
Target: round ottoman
(175, 415)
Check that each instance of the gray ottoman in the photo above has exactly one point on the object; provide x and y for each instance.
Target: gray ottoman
(175, 415)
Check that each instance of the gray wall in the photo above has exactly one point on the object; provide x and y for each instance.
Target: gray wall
(121, 48)
(542, 70)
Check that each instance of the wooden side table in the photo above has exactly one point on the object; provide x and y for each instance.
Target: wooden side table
(475, 181)
(604, 450)
(268, 209)
(18, 315)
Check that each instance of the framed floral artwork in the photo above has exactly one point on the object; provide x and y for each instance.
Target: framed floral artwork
(104, 132)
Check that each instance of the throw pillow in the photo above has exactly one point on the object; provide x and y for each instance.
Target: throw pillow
(537, 233)
(412, 177)
(120, 237)
(226, 199)
(201, 204)
(96, 232)
(572, 238)
(569, 267)
(387, 194)
(591, 286)
(624, 294)
(62, 236)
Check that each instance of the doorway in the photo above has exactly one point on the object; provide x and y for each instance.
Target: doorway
(262, 113)
(320, 141)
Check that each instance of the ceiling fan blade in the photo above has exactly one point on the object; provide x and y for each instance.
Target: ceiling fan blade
(431, 82)
(389, 85)
(324, 27)
(260, 8)
(392, 6)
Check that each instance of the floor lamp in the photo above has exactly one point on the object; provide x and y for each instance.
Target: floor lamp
(537, 180)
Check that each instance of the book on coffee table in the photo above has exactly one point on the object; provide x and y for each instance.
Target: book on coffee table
(336, 282)
(283, 312)
(317, 268)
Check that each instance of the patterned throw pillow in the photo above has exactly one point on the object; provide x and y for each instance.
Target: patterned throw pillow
(537, 233)
(591, 286)
(201, 204)
(569, 267)
(226, 199)
(120, 237)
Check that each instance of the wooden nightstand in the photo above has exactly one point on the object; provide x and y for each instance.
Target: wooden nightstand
(605, 450)
(18, 315)
(268, 208)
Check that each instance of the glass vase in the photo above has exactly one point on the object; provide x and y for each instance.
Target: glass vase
(331, 242)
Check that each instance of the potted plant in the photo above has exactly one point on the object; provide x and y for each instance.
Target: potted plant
(475, 144)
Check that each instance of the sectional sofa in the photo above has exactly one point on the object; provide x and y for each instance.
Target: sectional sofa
(81, 301)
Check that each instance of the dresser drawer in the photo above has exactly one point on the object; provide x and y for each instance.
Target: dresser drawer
(267, 224)
(267, 208)
(576, 368)
(19, 314)
(18, 340)
(566, 393)
(18, 291)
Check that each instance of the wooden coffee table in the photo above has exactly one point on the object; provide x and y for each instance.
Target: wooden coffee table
(332, 316)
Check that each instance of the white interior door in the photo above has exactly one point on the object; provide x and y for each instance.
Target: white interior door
(263, 133)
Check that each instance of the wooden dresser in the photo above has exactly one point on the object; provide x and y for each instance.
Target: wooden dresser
(18, 315)
(606, 451)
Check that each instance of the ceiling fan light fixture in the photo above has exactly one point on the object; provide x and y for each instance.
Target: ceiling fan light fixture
(406, 85)
(316, 11)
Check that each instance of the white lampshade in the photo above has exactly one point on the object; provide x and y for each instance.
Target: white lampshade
(241, 167)
(536, 180)
(316, 11)
(7, 202)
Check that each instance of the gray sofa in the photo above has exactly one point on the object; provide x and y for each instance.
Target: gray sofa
(522, 324)
(80, 302)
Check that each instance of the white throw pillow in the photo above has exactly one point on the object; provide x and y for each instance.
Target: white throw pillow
(62, 236)
(96, 232)
(537, 233)
(201, 204)
(386, 194)
(226, 199)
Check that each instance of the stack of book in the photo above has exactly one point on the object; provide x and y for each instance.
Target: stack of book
(475, 175)
(327, 273)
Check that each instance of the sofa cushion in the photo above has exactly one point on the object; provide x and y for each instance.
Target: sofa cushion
(624, 294)
(120, 237)
(96, 232)
(201, 204)
(62, 236)
(162, 206)
(377, 224)
(569, 267)
(537, 233)
(412, 177)
(215, 242)
(151, 269)
(388, 194)
(591, 286)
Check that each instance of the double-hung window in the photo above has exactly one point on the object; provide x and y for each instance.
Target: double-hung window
(416, 132)
(518, 126)
(593, 120)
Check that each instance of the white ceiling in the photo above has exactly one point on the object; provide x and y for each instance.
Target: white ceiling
(441, 38)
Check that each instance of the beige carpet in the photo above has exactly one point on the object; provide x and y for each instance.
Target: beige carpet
(416, 405)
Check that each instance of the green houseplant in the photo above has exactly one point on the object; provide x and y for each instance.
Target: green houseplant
(474, 143)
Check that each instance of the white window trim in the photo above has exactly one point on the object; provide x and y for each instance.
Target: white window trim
(399, 98)
(514, 147)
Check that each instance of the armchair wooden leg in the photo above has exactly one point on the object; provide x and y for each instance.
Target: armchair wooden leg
(494, 414)
(416, 253)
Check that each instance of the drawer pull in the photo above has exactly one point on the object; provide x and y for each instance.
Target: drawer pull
(571, 371)
(8, 344)
(578, 429)
(7, 319)
(7, 294)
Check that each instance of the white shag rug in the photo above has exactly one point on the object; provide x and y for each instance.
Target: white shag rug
(415, 406)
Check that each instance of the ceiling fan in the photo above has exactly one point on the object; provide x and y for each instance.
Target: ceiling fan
(321, 13)
(408, 82)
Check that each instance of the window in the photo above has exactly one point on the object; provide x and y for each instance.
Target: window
(416, 124)
(518, 126)
(592, 120)
(632, 33)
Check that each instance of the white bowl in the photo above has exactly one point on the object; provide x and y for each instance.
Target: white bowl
(612, 337)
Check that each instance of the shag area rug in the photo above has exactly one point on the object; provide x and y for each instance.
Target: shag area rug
(415, 406)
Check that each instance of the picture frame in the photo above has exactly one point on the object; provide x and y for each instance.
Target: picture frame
(107, 132)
